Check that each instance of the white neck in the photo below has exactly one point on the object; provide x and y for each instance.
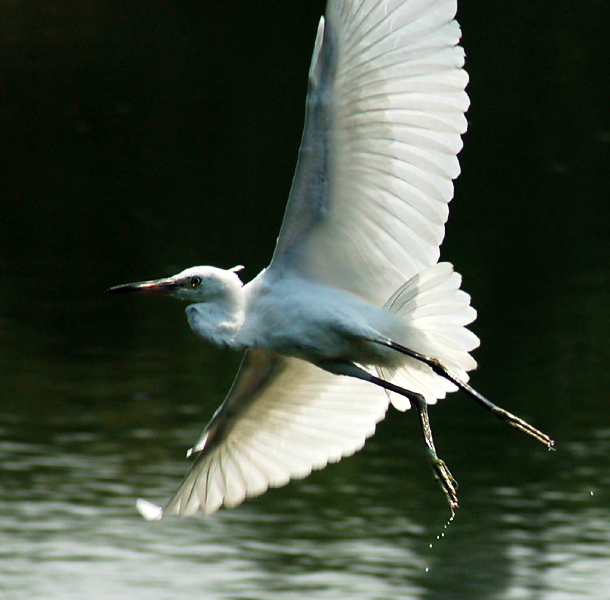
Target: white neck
(218, 321)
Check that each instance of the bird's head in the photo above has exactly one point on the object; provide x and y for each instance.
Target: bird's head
(196, 284)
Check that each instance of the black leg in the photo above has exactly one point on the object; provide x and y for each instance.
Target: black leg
(439, 468)
(440, 369)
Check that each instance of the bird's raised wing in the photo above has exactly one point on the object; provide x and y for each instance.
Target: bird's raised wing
(282, 419)
(385, 112)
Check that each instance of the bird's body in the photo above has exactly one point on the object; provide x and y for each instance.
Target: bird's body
(310, 321)
(354, 294)
(322, 324)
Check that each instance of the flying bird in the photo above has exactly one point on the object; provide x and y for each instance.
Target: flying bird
(354, 312)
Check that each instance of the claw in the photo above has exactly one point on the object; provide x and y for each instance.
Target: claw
(446, 480)
(523, 426)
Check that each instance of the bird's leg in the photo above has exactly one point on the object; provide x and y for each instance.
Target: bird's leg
(439, 468)
(440, 369)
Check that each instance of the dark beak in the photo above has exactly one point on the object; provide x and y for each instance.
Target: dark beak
(155, 286)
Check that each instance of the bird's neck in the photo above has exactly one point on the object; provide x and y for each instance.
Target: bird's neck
(219, 321)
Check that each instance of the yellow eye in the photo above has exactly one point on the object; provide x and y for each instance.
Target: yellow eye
(195, 281)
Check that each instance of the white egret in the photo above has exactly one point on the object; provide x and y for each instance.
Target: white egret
(354, 311)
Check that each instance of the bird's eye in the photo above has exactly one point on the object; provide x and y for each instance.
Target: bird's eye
(195, 281)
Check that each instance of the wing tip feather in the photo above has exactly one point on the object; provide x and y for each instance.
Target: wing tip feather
(148, 510)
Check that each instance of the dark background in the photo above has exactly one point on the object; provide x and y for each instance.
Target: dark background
(139, 138)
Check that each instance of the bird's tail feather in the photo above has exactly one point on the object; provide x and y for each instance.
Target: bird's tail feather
(436, 312)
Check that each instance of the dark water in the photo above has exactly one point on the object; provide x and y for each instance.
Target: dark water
(140, 138)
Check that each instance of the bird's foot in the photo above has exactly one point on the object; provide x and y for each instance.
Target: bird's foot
(446, 480)
(523, 426)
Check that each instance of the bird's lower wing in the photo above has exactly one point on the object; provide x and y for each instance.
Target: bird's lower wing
(282, 419)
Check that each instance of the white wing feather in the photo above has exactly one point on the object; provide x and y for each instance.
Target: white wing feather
(282, 419)
(385, 114)
(436, 311)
